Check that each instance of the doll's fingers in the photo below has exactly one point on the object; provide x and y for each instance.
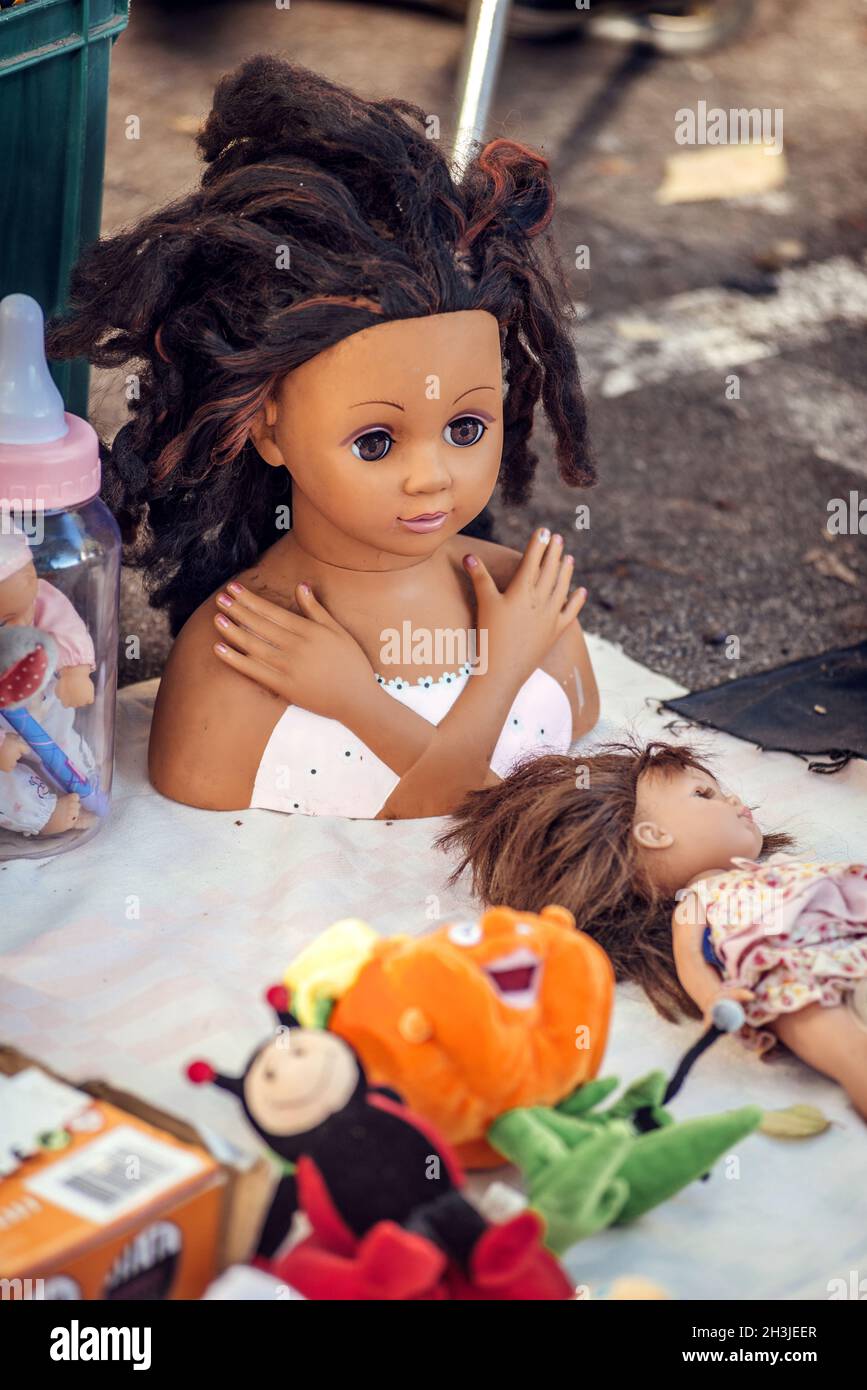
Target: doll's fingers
(240, 601)
(244, 616)
(483, 584)
(533, 556)
(573, 607)
(564, 580)
(550, 567)
(313, 609)
(243, 639)
(257, 671)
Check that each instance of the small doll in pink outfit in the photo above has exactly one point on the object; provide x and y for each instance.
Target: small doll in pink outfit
(685, 891)
(27, 803)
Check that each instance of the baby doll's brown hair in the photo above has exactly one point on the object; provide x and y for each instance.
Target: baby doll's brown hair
(558, 829)
(319, 214)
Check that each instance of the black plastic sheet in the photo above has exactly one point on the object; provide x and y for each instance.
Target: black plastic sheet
(816, 707)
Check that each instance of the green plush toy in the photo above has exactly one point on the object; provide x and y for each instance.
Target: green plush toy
(585, 1169)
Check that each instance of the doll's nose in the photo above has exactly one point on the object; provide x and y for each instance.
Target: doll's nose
(427, 473)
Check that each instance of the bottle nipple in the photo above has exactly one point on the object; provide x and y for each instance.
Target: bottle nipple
(31, 407)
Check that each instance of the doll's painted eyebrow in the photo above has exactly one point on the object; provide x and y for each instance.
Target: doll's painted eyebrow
(470, 392)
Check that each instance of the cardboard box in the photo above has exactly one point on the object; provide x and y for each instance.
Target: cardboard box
(121, 1202)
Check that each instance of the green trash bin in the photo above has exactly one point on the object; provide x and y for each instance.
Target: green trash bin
(54, 63)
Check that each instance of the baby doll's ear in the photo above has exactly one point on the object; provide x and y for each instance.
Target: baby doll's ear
(561, 915)
(262, 435)
(649, 835)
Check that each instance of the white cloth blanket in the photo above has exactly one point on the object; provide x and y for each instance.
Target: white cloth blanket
(153, 944)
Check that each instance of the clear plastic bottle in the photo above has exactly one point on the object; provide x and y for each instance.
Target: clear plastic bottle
(59, 575)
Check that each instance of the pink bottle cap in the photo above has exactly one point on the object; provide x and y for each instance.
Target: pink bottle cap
(48, 459)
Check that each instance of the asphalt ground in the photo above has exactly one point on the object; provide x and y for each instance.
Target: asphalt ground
(722, 341)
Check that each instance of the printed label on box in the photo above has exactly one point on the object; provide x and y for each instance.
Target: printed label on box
(114, 1175)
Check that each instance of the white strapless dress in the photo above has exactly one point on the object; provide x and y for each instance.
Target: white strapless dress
(314, 766)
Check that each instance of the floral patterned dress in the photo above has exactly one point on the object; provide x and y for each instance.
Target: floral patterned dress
(793, 933)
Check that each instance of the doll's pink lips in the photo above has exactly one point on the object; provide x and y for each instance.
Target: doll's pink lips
(516, 978)
(425, 521)
(746, 814)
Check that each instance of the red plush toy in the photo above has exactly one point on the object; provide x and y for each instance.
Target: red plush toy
(379, 1187)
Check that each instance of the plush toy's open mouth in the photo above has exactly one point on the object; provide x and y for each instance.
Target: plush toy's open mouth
(516, 977)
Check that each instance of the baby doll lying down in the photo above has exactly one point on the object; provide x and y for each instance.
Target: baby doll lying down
(689, 897)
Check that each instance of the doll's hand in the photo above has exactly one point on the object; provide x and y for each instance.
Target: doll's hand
(74, 687)
(12, 749)
(308, 660)
(730, 991)
(525, 621)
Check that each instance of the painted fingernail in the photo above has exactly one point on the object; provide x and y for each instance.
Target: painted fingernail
(224, 601)
(583, 592)
(558, 539)
(222, 649)
(235, 587)
(305, 588)
(568, 559)
(544, 535)
(470, 561)
(221, 621)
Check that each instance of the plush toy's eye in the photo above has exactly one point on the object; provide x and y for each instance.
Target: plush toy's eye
(523, 929)
(465, 933)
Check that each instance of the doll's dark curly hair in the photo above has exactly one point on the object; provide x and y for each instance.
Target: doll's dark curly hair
(353, 201)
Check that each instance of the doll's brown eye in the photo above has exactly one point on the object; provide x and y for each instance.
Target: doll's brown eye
(467, 430)
(372, 446)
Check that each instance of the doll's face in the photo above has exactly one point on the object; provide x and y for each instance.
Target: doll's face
(686, 825)
(393, 437)
(18, 598)
(299, 1080)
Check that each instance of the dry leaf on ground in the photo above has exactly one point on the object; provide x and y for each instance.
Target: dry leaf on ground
(795, 1122)
(826, 563)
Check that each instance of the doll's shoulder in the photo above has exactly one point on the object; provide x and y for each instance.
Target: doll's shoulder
(210, 725)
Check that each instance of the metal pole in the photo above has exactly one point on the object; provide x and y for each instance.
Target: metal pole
(483, 49)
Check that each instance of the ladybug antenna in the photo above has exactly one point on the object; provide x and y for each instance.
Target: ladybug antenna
(278, 997)
(203, 1074)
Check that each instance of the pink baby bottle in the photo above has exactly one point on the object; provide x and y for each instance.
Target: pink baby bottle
(59, 575)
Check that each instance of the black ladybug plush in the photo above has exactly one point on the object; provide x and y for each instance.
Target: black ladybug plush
(380, 1188)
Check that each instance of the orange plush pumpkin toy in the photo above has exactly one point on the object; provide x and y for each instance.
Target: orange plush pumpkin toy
(470, 1020)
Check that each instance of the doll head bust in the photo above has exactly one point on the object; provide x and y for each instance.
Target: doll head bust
(612, 835)
(327, 248)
